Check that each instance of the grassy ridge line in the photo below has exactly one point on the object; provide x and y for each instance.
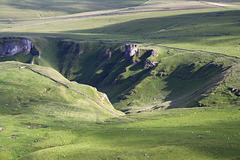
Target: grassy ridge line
(70, 89)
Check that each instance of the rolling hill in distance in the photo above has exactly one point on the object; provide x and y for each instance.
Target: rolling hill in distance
(129, 79)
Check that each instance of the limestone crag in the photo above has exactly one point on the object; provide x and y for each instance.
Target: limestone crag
(131, 50)
(12, 46)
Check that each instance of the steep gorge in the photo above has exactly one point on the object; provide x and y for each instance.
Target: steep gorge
(137, 77)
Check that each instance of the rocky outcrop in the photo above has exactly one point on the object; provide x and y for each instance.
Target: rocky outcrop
(12, 46)
(131, 50)
(149, 64)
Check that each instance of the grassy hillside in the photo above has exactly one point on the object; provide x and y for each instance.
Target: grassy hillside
(184, 80)
(179, 103)
(27, 92)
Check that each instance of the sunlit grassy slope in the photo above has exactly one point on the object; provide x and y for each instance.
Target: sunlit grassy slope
(26, 92)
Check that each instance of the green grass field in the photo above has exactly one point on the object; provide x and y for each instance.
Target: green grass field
(185, 107)
(200, 133)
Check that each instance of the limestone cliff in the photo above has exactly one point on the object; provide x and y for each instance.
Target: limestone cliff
(11, 46)
(131, 50)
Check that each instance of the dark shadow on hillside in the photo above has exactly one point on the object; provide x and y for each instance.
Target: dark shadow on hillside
(140, 65)
(187, 87)
(127, 85)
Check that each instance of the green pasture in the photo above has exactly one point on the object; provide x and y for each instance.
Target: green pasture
(199, 133)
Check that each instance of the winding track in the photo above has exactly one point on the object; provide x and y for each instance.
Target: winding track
(72, 90)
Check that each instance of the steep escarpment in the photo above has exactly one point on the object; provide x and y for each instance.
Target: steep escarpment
(139, 77)
(111, 67)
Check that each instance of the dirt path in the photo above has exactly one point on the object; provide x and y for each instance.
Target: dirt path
(218, 4)
(72, 90)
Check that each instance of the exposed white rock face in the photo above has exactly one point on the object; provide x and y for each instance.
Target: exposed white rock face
(27, 45)
(10, 47)
(131, 50)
